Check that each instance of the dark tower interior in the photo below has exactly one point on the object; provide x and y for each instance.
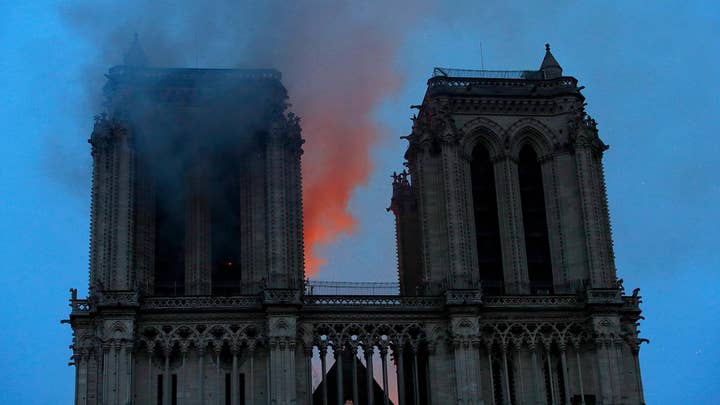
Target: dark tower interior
(487, 227)
(537, 245)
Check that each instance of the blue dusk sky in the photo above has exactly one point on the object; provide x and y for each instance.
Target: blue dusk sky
(652, 76)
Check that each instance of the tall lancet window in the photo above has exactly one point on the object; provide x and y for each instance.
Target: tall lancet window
(169, 235)
(537, 245)
(487, 228)
(225, 226)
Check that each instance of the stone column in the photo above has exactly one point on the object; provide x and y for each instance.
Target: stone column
(400, 374)
(356, 392)
(282, 332)
(488, 347)
(81, 372)
(550, 374)
(553, 208)
(368, 350)
(416, 381)
(466, 359)
(603, 371)
(112, 230)
(506, 372)
(201, 373)
(579, 370)
(167, 385)
(460, 225)
(383, 357)
(338, 352)
(563, 360)
(218, 349)
(593, 202)
(198, 269)
(519, 378)
(323, 367)
(251, 382)
(537, 383)
(284, 194)
(125, 388)
(512, 233)
(308, 374)
(235, 376)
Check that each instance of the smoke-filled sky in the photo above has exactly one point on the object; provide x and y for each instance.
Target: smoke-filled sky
(352, 70)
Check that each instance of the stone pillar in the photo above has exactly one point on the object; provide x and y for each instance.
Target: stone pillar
(416, 380)
(512, 234)
(323, 368)
(356, 392)
(368, 350)
(282, 331)
(81, 380)
(537, 375)
(400, 374)
(201, 373)
(576, 344)
(467, 359)
(566, 379)
(549, 170)
(251, 381)
(338, 352)
(235, 376)
(284, 194)
(603, 366)
(519, 377)
(112, 232)
(463, 266)
(426, 171)
(383, 357)
(596, 223)
(550, 373)
(506, 372)
(125, 389)
(166, 377)
(198, 269)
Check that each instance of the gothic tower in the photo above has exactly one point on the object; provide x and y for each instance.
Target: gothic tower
(196, 195)
(503, 204)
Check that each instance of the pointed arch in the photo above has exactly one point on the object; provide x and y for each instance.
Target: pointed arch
(482, 131)
(530, 131)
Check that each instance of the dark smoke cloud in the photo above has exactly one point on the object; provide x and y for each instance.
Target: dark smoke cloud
(337, 61)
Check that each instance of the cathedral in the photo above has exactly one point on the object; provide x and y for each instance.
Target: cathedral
(506, 290)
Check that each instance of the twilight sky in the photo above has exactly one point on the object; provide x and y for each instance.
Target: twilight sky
(651, 73)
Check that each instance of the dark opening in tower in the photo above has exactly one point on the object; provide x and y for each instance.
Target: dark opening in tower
(169, 236)
(487, 228)
(225, 227)
(537, 245)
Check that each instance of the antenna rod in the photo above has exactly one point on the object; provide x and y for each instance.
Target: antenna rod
(482, 62)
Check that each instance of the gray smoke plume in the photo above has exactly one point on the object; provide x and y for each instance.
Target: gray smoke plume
(336, 57)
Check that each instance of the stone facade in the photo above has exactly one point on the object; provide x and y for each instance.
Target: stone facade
(175, 320)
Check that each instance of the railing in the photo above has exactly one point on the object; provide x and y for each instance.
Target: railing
(375, 300)
(315, 287)
(488, 74)
(530, 300)
(204, 302)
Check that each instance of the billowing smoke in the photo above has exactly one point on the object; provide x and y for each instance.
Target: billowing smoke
(337, 62)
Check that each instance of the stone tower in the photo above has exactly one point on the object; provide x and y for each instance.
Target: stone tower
(507, 288)
(503, 204)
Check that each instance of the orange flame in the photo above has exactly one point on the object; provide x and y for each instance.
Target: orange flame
(336, 99)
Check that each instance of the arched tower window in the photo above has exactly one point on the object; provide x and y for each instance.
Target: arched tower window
(487, 228)
(169, 237)
(225, 226)
(537, 245)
